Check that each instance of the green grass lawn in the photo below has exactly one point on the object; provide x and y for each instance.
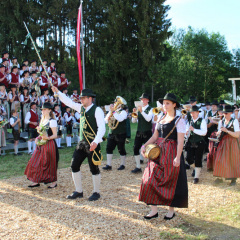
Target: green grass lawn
(11, 165)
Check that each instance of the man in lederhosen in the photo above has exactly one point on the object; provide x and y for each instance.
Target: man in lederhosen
(117, 136)
(196, 144)
(92, 130)
(144, 130)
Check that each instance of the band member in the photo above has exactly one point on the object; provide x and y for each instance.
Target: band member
(41, 68)
(197, 129)
(228, 151)
(117, 135)
(222, 103)
(3, 76)
(55, 79)
(14, 99)
(75, 97)
(193, 102)
(51, 68)
(68, 116)
(53, 100)
(14, 78)
(63, 106)
(26, 81)
(33, 67)
(5, 55)
(4, 99)
(63, 82)
(5, 63)
(164, 180)
(32, 121)
(2, 131)
(23, 69)
(25, 100)
(212, 127)
(34, 97)
(15, 123)
(43, 81)
(15, 63)
(144, 129)
(208, 109)
(45, 97)
(77, 117)
(58, 117)
(26, 62)
(34, 79)
(212, 145)
(42, 167)
(92, 130)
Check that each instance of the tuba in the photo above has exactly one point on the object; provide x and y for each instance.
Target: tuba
(112, 122)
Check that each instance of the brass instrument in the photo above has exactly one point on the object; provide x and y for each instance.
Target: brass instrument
(157, 110)
(26, 82)
(112, 122)
(186, 109)
(134, 114)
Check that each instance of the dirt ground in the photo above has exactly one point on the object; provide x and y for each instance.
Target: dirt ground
(43, 213)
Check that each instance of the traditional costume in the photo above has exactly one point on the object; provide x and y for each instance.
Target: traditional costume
(92, 129)
(116, 136)
(162, 183)
(42, 167)
(144, 131)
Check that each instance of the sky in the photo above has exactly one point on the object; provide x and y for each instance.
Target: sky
(218, 16)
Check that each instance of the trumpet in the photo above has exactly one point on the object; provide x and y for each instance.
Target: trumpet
(184, 112)
(157, 110)
(186, 109)
(134, 114)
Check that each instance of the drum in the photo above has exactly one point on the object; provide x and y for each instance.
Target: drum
(152, 151)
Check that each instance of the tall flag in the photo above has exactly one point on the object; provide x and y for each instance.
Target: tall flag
(79, 46)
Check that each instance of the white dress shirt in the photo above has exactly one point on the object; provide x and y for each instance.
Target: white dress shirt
(99, 115)
(147, 116)
(28, 116)
(203, 128)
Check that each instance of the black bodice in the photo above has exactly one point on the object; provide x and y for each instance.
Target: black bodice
(164, 129)
(49, 131)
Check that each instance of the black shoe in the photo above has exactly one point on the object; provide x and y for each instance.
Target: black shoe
(187, 166)
(121, 167)
(232, 183)
(33, 186)
(205, 159)
(60, 147)
(218, 180)
(19, 154)
(141, 161)
(136, 170)
(107, 167)
(53, 186)
(209, 170)
(196, 180)
(169, 218)
(75, 195)
(95, 196)
(154, 216)
(193, 173)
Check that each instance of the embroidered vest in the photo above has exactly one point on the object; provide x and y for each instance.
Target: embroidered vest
(144, 125)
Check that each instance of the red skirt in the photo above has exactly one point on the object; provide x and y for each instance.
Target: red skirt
(227, 161)
(160, 178)
(42, 167)
(212, 152)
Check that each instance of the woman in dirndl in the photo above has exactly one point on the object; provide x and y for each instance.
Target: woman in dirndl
(42, 167)
(164, 180)
(227, 161)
